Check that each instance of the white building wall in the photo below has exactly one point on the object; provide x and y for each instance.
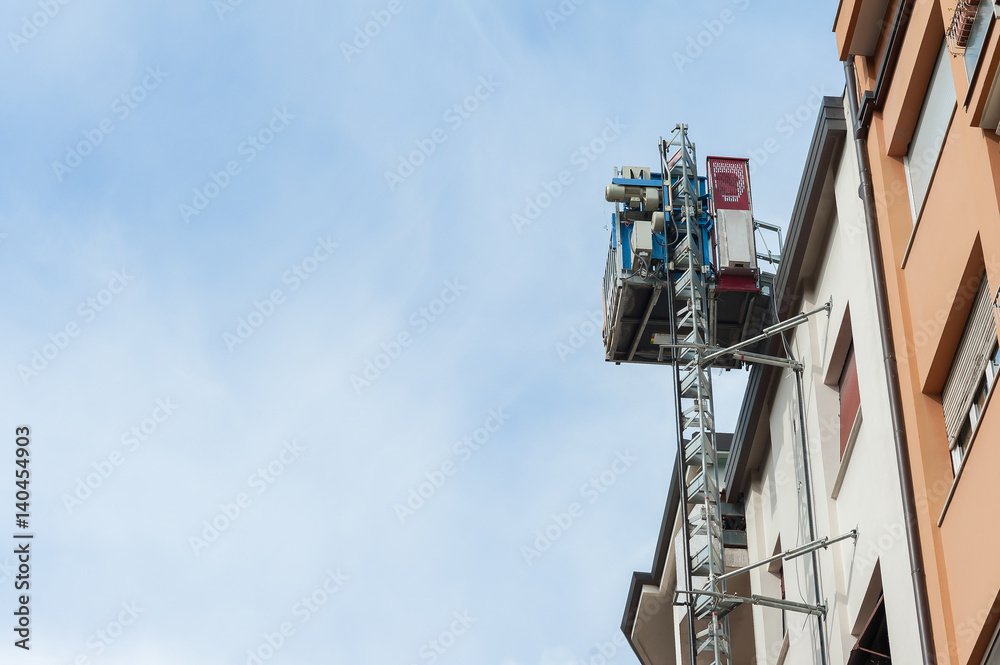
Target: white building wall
(868, 496)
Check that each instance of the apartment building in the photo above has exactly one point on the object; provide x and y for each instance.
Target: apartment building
(926, 78)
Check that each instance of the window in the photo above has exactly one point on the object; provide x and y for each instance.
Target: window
(973, 372)
(968, 30)
(850, 399)
(928, 135)
(872, 648)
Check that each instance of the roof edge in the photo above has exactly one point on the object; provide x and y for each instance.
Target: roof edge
(827, 143)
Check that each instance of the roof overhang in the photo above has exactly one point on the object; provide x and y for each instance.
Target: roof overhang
(806, 239)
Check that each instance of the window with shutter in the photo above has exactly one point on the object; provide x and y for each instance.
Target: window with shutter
(850, 399)
(972, 374)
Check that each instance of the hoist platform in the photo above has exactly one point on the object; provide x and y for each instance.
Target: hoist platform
(648, 226)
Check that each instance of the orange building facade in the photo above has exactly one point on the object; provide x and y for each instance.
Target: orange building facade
(927, 109)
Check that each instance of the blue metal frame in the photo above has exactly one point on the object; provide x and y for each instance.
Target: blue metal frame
(705, 223)
(652, 182)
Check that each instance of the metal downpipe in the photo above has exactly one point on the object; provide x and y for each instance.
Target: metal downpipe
(809, 502)
(913, 546)
(807, 477)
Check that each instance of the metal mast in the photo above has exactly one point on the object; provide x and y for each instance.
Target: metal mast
(690, 305)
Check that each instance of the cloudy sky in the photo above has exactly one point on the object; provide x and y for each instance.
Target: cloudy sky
(298, 310)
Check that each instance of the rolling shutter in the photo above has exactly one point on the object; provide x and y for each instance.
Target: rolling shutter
(969, 363)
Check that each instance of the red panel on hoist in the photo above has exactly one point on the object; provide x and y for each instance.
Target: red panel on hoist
(729, 179)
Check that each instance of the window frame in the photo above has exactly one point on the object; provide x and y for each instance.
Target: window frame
(980, 400)
(933, 83)
(850, 364)
(974, 430)
(988, 375)
(876, 626)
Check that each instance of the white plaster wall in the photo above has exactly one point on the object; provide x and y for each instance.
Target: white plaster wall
(869, 496)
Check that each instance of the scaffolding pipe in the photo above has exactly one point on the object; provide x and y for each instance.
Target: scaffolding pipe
(822, 543)
(816, 610)
(807, 476)
(764, 601)
(770, 331)
(765, 360)
(809, 498)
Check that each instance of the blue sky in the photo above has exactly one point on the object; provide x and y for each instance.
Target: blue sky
(201, 236)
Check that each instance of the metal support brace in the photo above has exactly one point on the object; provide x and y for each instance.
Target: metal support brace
(768, 332)
(768, 360)
(742, 355)
(822, 543)
(763, 601)
(645, 319)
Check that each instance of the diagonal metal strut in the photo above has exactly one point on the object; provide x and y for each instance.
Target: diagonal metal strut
(768, 332)
(764, 601)
(822, 543)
